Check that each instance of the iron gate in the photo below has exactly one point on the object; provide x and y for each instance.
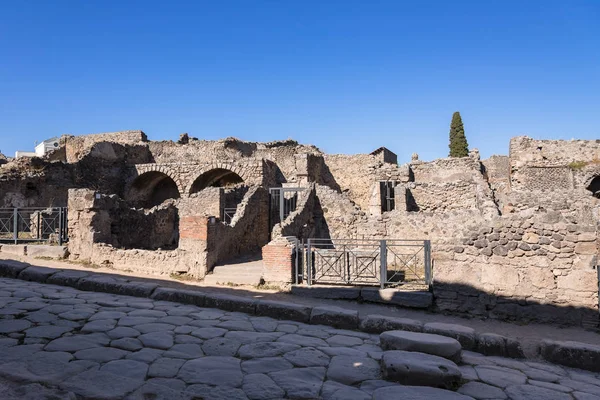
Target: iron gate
(33, 225)
(283, 202)
(364, 262)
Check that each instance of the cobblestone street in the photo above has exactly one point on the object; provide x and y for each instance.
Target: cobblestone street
(61, 343)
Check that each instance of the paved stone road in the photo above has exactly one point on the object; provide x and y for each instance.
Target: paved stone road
(61, 343)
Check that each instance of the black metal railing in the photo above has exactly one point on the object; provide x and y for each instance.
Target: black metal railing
(31, 224)
(385, 262)
(283, 202)
(228, 214)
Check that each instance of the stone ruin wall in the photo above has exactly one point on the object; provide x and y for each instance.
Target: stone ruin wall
(483, 217)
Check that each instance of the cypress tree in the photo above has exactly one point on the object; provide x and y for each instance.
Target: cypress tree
(458, 141)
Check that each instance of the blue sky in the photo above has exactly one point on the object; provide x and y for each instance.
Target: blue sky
(348, 76)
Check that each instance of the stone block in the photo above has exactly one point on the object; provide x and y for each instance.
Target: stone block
(580, 248)
(327, 292)
(283, 310)
(37, 274)
(14, 249)
(422, 343)
(416, 393)
(179, 296)
(67, 278)
(491, 344)
(47, 251)
(419, 369)
(230, 303)
(334, 316)
(381, 323)
(572, 354)
(413, 299)
(11, 269)
(465, 335)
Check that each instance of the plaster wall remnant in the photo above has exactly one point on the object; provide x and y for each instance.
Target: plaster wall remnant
(513, 237)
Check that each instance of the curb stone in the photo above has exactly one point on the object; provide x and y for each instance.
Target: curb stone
(562, 353)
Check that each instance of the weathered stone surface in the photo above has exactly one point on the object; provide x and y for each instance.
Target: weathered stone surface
(491, 344)
(416, 393)
(127, 368)
(99, 325)
(185, 351)
(66, 278)
(261, 387)
(334, 316)
(158, 391)
(101, 385)
(221, 347)
(421, 342)
(47, 251)
(301, 340)
(129, 344)
(36, 274)
(411, 368)
(216, 392)
(352, 370)
(265, 365)
(10, 268)
(158, 340)
(179, 296)
(300, 383)
(208, 370)
(122, 332)
(230, 303)
(307, 357)
(47, 331)
(253, 337)
(266, 349)
(165, 367)
(500, 376)
(327, 292)
(283, 310)
(572, 354)
(464, 334)
(530, 392)
(101, 354)
(381, 323)
(77, 343)
(344, 341)
(479, 390)
(15, 325)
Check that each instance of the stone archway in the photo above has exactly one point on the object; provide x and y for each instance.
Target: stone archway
(216, 177)
(152, 188)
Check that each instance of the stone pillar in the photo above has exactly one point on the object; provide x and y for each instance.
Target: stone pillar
(278, 260)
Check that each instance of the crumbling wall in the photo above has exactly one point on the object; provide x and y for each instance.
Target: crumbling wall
(441, 197)
(358, 174)
(100, 145)
(497, 173)
(299, 223)
(247, 232)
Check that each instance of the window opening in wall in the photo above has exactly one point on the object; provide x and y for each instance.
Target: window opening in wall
(388, 198)
(283, 202)
(228, 214)
(594, 186)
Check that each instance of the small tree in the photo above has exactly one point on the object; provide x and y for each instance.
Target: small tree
(458, 141)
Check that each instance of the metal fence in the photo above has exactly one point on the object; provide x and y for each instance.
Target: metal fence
(33, 225)
(283, 202)
(228, 214)
(386, 263)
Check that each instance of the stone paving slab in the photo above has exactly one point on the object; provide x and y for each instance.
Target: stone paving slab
(246, 357)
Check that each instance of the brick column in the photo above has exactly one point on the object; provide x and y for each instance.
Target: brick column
(278, 261)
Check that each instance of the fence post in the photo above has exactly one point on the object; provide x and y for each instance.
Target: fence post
(16, 225)
(309, 263)
(281, 206)
(427, 253)
(60, 226)
(383, 263)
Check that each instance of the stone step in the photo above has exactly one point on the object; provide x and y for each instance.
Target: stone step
(428, 343)
(420, 369)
